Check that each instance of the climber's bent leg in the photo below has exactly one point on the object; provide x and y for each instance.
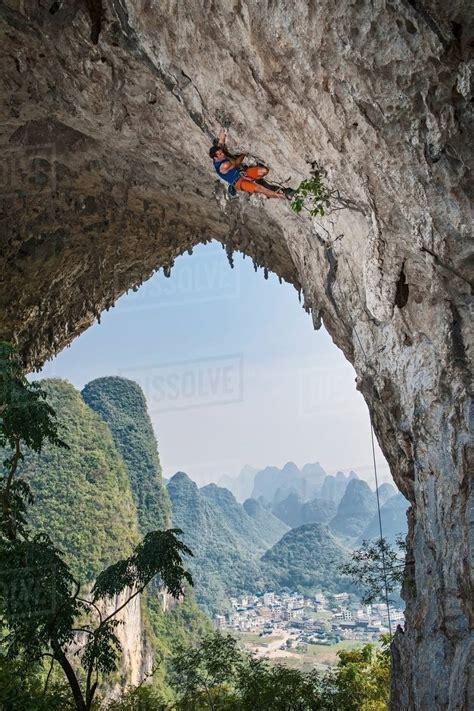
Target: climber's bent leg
(248, 186)
(255, 171)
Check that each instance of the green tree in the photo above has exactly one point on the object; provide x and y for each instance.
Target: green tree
(277, 688)
(377, 568)
(361, 679)
(139, 698)
(312, 194)
(23, 688)
(218, 675)
(43, 613)
(205, 676)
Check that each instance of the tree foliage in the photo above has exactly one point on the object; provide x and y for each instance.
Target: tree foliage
(23, 688)
(217, 675)
(312, 194)
(316, 197)
(374, 565)
(51, 618)
(26, 420)
(361, 679)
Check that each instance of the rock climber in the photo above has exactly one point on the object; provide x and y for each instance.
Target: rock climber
(230, 169)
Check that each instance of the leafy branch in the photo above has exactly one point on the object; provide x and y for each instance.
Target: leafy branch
(316, 197)
(374, 563)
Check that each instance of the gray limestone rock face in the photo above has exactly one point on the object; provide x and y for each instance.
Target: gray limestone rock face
(106, 120)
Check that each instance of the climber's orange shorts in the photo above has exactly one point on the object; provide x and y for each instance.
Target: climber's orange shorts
(245, 183)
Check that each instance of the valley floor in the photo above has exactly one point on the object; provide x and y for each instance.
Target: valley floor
(302, 657)
(304, 632)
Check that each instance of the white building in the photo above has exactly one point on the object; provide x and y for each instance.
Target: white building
(268, 598)
(320, 599)
(395, 615)
(296, 613)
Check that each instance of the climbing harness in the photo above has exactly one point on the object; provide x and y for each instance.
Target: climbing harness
(233, 175)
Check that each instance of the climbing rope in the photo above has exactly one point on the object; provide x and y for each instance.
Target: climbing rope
(328, 245)
(382, 546)
(374, 460)
(372, 437)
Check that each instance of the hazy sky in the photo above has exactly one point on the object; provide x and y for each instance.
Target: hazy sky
(232, 370)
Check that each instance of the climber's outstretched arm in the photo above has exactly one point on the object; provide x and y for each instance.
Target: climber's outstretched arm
(222, 137)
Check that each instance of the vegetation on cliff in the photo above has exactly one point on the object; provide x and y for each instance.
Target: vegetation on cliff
(82, 494)
(306, 559)
(121, 404)
(225, 559)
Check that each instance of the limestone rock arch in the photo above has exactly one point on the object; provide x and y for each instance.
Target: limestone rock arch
(108, 109)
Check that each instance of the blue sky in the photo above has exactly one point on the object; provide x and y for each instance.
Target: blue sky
(232, 369)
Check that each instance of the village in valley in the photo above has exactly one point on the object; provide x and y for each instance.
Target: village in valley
(274, 624)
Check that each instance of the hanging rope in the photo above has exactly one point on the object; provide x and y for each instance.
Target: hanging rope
(382, 542)
(374, 460)
(372, 438)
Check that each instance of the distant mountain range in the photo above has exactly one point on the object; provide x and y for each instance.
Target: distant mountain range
(245, 548)
(249, 548)
(273, 485)
(309, 495)
(227, 539)
(296, 512)
(394, 520)
(357, 506)
(386, 491)
(242, 484)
